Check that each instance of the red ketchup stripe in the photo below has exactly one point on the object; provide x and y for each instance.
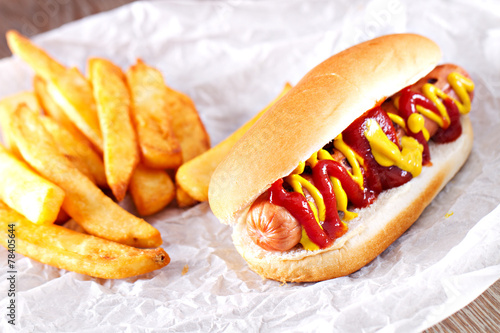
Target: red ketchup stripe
(321, 176)
(298, 206)
(455, 129)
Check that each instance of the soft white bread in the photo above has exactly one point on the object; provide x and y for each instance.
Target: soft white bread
(376, 227)
(314, 112)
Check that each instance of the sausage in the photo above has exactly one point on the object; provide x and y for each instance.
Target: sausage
(438, 77)
(272, 227)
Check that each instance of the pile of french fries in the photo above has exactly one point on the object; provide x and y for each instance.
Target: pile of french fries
(73, 138)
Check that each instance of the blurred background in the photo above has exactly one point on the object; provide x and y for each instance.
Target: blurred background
(31, 17)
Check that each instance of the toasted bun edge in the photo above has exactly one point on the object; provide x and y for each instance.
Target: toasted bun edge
(377, 226)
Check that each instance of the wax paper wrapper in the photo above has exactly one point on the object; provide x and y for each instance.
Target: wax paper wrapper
(233, 58)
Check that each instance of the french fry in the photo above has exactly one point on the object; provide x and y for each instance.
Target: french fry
(67, 249)
(96, 213)
(183, 199)
(7, 106)
(68, 87)
(52, 109)
(121, 154)
(83, 157)
(187, 125)
(26, 192)
(158, 145)
(194, 176)
(73, 93)
(151, 189)
(34, 56)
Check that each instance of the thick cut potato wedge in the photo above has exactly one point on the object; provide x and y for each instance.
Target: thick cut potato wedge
(151, 189)
(83, 157)
(151, 116)
(194, 176)
(31, 195)
(188, 128)
(73, 93)
(7, 106)
(67, 249)
(68, 87)
(35, 57)
(84, 202)
(121, 154)
(53, 110)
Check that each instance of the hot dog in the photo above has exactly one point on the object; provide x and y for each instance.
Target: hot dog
(320, 198)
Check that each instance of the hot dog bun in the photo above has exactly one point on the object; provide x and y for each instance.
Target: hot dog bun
(376, 227)
(316, 110)
(336, 92)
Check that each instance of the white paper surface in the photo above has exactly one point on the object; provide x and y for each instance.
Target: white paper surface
(233, 58)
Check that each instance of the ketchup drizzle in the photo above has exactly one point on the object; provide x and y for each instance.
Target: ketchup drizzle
(407, 106)
(298, 206)
(455, 129)
(377, 178)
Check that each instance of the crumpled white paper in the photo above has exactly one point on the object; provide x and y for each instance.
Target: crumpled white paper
(233, 58)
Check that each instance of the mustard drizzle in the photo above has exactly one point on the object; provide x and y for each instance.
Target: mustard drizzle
(385, 152)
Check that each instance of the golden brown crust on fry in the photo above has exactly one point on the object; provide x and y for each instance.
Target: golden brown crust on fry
(81, 253)
(151, 189)
(121, 154)
(84, 202)
(22, 189)
(187, 125)
(158, 144)
(67, 86)
(53, 110)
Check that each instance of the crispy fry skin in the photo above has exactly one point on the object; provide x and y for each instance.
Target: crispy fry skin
(67, 249)
(35, 57)
(52, 109)
(188, 128)
(26, 192)
(194, 176)
(183, 199)
(7, 106)
(152, 119)
(151, 189)
(84, 202)
(191, 133)
(68, 87)
(73, 93)
(121, 154)
(83, 157)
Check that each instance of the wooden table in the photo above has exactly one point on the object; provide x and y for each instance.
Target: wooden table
(34, 17)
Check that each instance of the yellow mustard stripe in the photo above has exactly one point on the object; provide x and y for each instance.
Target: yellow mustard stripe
(462, 87)
(298, 183)
(431, 115)
(354, 159)
(397, 120)
(435, 95)
(307, 243)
